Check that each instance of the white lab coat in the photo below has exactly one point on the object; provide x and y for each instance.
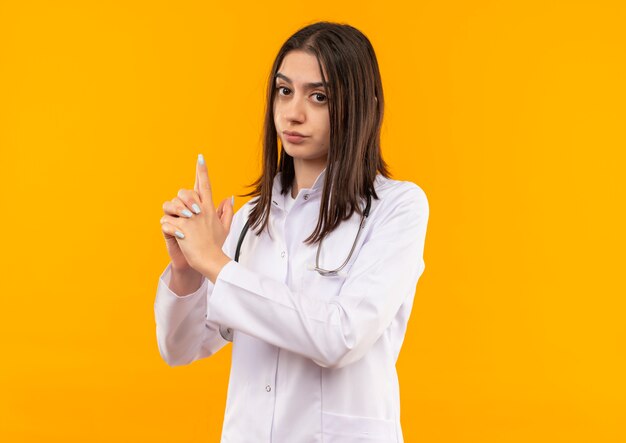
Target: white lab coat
(313, 357)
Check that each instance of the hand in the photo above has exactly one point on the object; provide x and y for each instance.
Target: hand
(182, 206)
(204, 232)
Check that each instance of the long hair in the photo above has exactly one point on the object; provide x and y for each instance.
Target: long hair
(356, 104)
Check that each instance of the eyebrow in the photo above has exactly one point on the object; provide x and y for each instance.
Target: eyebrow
(306, 85)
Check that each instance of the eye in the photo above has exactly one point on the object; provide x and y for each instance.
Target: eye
(318, 95)
(320, 98)
(278, 88)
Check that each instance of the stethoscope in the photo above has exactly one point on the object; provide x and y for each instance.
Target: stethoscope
(227, 333)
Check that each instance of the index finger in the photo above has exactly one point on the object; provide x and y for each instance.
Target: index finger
(203, 184)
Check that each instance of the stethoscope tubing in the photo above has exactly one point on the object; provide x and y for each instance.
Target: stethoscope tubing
(227, 333)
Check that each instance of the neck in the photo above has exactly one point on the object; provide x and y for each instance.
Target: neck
(306, 172)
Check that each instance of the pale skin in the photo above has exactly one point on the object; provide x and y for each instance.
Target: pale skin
(298, 107)
(304, 109)
(201, 248)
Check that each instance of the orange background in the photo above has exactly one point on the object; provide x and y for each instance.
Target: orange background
(510, 115)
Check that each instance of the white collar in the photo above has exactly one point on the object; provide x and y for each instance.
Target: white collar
(278, 199)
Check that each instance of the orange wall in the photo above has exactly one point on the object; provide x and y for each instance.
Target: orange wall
(510, 115)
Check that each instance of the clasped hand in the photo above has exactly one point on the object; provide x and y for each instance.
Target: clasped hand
(194, 230)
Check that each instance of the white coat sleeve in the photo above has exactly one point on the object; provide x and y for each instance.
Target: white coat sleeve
(338, 332)
(184, 334)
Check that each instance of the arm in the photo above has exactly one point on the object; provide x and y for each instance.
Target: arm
(183, 332)
(184, 281)
(337, 332)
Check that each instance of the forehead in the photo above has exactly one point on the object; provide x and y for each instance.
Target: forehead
(300, 67)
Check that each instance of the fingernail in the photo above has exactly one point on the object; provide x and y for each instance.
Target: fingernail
(200, 159)
(232, 200)
(179, 234)
(195, 208)
(186, 212)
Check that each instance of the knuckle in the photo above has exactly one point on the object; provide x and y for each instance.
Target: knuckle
(186, 197)
(169, 208)
(172, 208)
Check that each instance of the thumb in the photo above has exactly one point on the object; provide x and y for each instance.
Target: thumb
(220, 208)
(228, 211)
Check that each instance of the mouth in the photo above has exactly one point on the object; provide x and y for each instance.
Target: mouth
(294, 137)
(294, 133)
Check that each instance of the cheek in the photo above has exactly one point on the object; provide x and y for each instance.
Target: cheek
(323, 123)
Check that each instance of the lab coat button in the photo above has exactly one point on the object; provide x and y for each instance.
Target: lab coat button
(306, 196)
(282, 254)
(268, 388)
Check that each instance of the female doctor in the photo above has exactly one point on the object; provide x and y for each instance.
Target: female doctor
(316, 326)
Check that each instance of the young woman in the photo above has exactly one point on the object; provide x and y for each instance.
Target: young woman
(317, 296)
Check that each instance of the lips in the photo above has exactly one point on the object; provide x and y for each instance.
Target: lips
(294, 133)
(294, 137)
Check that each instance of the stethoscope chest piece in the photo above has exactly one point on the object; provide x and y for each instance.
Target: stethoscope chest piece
(226, 333)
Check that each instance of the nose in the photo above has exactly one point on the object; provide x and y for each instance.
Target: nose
(294, 109)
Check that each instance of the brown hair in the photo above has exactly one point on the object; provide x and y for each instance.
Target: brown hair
(356, 103)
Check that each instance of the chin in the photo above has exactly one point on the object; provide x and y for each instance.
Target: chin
(302, 152)
(295, 150)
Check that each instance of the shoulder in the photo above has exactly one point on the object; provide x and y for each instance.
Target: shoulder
(394, 194)
(401, 212)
